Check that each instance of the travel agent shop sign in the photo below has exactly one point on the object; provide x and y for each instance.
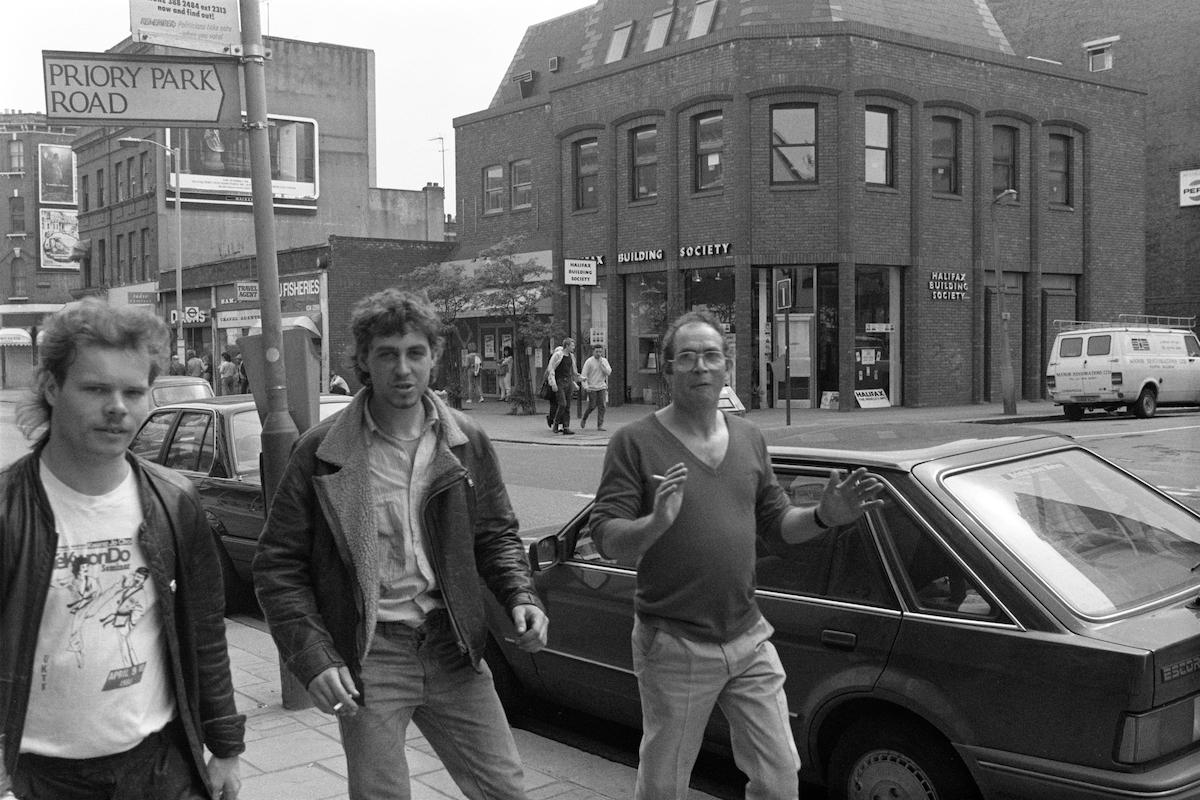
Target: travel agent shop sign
(120, 89)
(190, 24)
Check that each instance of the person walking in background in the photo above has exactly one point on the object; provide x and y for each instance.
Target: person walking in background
(685, 492)
(207, 373)
(562, 375)
(113, 680)
(389, 519)
(504, 374)
(176, 367)
(595, 382)
(195, 366)
(474, 383)
(338, 385)
(243, 378)
(229, 375)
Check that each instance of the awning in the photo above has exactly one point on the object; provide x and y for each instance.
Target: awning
(81, 250)
(15, 337)
(294, 321)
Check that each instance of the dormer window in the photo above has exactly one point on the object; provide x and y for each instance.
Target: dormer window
(1100, 53)
(619, 42)
(660, 26)
(702, 18)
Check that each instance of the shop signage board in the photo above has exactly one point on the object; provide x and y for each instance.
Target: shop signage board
(579, 272)
(119, 89)
(211, 27)
(872, 398)
(783, 294)
(1189, 188)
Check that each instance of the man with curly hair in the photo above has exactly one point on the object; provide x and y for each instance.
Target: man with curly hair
(386, 518)
(89, 707)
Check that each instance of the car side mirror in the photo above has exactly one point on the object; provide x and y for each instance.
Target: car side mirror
(543, 554)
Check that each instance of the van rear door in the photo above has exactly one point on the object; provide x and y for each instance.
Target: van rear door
(1097, 369)
(1066, 366)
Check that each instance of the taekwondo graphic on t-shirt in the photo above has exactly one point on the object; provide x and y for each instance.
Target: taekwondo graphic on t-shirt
(101, 663)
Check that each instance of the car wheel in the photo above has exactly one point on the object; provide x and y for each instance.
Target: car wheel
(239, 597)
(1073, 412)
(890, 757)
(508, 685)
(1146, 405)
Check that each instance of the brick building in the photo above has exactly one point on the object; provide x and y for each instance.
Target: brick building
(705, 151)
(321, 108)
(1149, 46)
(38, 223)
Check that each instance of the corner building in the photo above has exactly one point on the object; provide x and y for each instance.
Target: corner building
(704, 152)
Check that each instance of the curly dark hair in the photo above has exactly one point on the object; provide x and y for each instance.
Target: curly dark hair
(89, 322)
(388, 313)
(702, 317)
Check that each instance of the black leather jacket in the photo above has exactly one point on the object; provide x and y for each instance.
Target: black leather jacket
(317, 571)
(182, 557)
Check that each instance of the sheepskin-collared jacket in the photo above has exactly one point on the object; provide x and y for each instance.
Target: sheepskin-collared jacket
(181, 554)
(317, 567)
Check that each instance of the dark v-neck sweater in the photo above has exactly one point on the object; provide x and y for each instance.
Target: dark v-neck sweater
(697, 581)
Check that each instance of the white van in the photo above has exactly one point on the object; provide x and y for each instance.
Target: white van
(1141, 362)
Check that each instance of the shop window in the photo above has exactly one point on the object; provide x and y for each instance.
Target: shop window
(85, 197)
(16, 214)
(1058, 173)
(794, 144)
(646, 319)
(708, 142)
(1004, 159)
(493, 189)
(587, 173)
(16, 156)
(619, 42)
(100, 201)
(880, 145)
(660, 26)
(945, 155)
(643, 143)
(521, 174)
(702, 18)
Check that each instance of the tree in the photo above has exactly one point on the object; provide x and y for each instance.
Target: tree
(450, 290)
(513, 290)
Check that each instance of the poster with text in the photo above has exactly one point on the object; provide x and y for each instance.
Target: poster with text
(58, 230)
(56, 174)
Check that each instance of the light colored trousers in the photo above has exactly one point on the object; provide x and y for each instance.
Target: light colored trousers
(680, 681)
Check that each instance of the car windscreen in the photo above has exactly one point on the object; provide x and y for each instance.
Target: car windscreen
(247, 440)
(1102, 541)
(180, 393)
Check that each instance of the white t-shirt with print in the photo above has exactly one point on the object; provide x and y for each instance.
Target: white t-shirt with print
(100, 680)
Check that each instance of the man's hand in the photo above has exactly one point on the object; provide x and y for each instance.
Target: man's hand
(531, 624)
(333, 692)
(225, 777)
(668, 497)
(845, 501)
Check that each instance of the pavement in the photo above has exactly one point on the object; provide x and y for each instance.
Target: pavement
(297, 755)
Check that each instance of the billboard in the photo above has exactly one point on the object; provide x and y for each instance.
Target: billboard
(58, 232)
(215, 163)
(56, 174)
(206, 26)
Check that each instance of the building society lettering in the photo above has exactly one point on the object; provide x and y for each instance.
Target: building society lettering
(949, 285)
(718, 249)
(639, 255)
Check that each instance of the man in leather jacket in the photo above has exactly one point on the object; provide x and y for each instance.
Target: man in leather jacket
(386, 518)
(89, 532)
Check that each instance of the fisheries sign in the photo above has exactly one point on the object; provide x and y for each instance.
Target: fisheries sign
(121, 89)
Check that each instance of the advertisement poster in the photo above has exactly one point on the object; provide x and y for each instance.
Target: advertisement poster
(56, 174)
(58, 231)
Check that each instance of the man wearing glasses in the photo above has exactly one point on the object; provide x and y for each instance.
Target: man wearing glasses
(699, 639)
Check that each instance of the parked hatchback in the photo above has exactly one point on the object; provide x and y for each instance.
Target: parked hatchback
(168, 389)
(216, 443)
(1019, 620)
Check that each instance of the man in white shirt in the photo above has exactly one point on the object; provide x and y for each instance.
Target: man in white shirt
(114, 671)
(595, 382)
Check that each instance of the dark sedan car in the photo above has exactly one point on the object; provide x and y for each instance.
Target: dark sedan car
(1019, 620)
(216, 443)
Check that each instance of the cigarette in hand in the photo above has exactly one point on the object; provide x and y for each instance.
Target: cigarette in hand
(337, 707)
(659, 477)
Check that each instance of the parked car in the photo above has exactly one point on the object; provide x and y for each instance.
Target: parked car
(1020, 620)
(1139, 362)
(216, 442)
(168, 389)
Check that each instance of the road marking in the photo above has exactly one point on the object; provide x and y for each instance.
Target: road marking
(1135, 432)
(585, 496)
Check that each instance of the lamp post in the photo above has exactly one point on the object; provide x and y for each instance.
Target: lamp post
(130, 141)
(1008, 385)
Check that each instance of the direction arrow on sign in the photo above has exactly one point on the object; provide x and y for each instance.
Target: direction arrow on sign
(122, 89)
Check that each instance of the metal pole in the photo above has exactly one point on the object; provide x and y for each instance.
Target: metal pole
(787, 360)
(279, 430)
(1008, 385)
(182, 346)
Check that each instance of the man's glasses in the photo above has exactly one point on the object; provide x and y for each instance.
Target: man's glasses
(687, 359)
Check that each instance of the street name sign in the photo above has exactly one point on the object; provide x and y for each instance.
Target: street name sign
(211, 27)
(121, 89)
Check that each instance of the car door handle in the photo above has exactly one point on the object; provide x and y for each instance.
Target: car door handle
(839, 640)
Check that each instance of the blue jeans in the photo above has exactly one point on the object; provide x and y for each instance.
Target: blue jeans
(419, 674)
(565, 394)
(680, 681)
(596, 400)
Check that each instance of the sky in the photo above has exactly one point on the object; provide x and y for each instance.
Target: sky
(434, 60)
